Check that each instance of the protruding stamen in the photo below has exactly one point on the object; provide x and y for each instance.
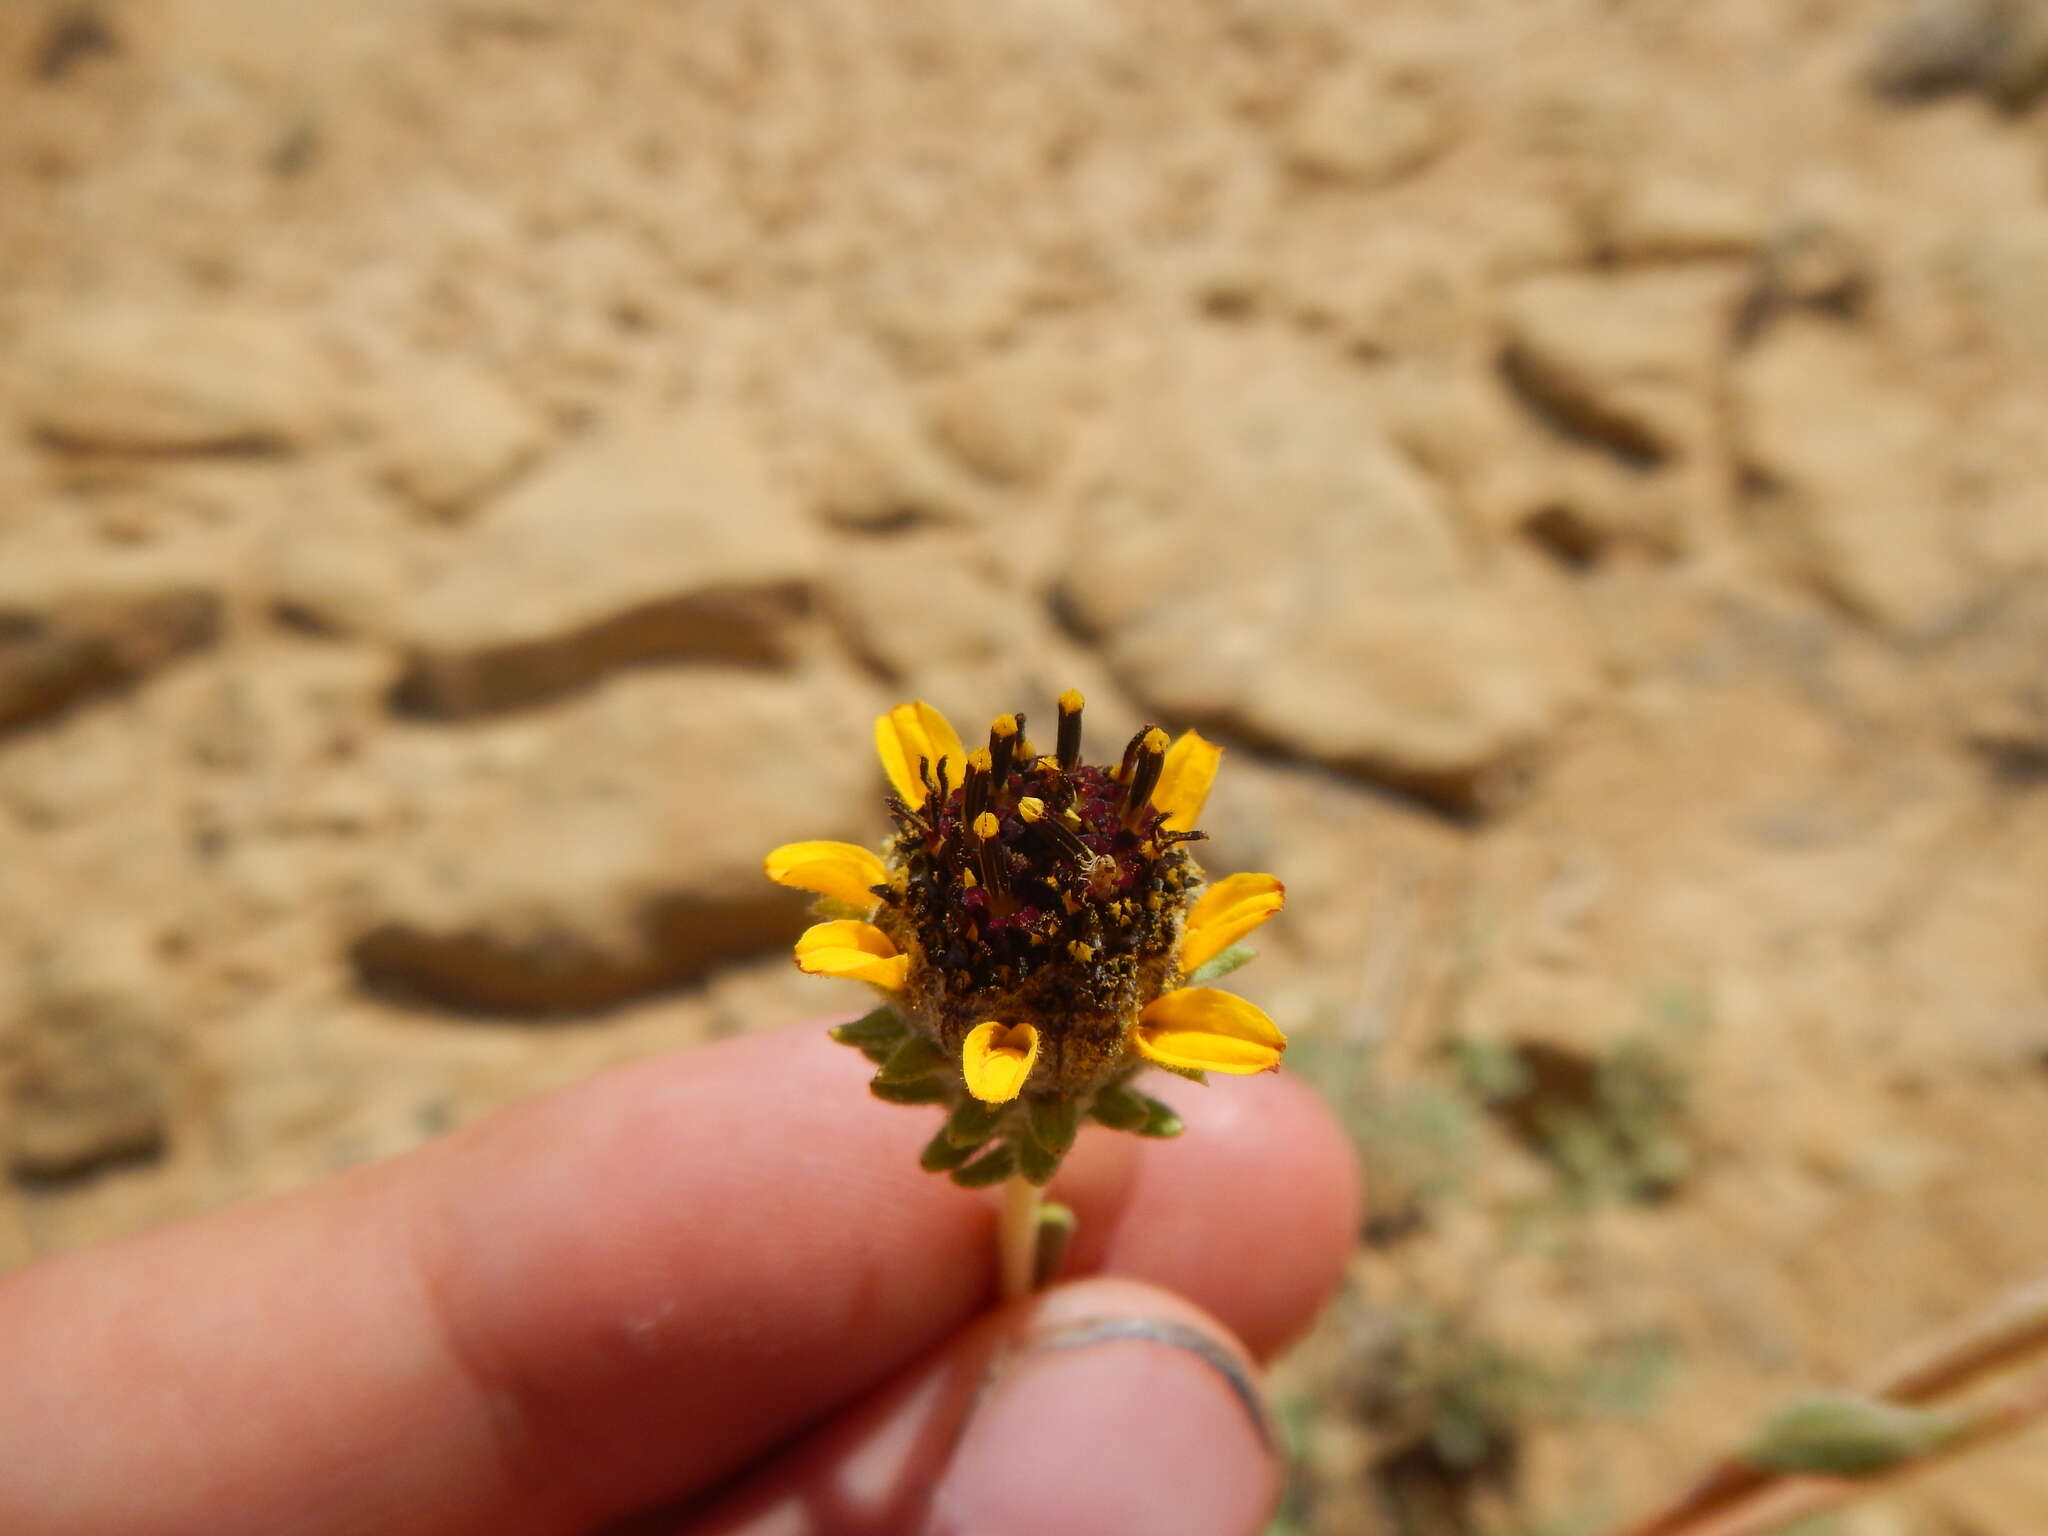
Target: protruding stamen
(1003, 737)
(1031, 808)
(1144, 773)
(989, 853)
(1069, 748)
(974, 799)
(1130, 762)
(905, 817)
(1069, 842)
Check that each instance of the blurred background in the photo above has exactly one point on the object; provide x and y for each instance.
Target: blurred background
(470, 470)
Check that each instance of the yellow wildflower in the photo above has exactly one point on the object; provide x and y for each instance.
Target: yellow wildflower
(1041, 933)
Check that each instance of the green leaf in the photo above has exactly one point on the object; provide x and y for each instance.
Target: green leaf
(1034, 1162)
(915, 1059)
(881, 1027)
(1220, 964)
(990, 1168)
(1160, 1120)
(1053, 1123)
(1120, 1109)
(943, 1155)
(1847, 1436)
(928, 1090)
(973, 1122)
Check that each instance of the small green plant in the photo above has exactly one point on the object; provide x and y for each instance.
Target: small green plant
(1612, 1124)
(1454, 1404)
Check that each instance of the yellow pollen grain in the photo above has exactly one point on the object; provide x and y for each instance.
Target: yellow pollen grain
(1157, 741)
(1081, 952)
(1031, 808)
(979, 761)
(1071, 702)
(986, 826)
(1005, 726)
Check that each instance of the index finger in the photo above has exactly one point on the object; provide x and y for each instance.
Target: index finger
(582, 1305)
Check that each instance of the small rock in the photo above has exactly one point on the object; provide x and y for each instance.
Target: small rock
(1850, 478)
(130, 380)
(54, 658)
(1993, 677)
(575, 861)
(1812, 262)
(1393, 291)
(91, 1057)
(920, 601)
(1998, 47)
(1673, 218)
(353, 569)
(449, 437)
(1005, 420)
(850, 442)
(659, 540)
(1367, 126)
(1626, 362)
(1260, 559)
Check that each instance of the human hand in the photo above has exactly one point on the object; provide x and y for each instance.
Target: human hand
(710, 1292)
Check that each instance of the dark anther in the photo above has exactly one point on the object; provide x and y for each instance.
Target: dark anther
(932, 797)
(1168, 839)
(1123, 772)
(1003, 737)
(1069, 748)
(993, 860)
(1144, 773)
(905, 817)
(1067, 841)
(974, 799)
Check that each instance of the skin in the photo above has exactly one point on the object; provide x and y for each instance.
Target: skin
(706, 1292)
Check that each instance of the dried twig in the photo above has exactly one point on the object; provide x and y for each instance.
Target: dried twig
(1740, 1497)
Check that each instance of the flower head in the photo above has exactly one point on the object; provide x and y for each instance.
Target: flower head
(1040, 932)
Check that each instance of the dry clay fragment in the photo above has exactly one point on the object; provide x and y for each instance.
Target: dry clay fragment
(1851, 480)
(1261, 559)
(622, 853)
(89, 1058)
(664, 539)
(52, 659)
(127, 380)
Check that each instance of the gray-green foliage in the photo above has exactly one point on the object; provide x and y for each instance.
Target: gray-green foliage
(1847, 1436)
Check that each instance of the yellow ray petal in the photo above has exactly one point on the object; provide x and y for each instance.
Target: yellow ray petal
(840, 870)
(859, 951)
(1228, 911)
(909, 732)
(996, 1058)
(1184, 780)
(1207, 1030)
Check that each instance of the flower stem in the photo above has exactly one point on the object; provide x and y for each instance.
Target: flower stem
(1017, 1237)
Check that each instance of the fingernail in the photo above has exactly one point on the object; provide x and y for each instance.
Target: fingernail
(1125, 1424)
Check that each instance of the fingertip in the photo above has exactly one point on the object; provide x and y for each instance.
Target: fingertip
(1102, 1405)
(1251, 1212)
(1124, 1410)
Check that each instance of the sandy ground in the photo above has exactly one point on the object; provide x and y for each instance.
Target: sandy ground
(469, 471)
